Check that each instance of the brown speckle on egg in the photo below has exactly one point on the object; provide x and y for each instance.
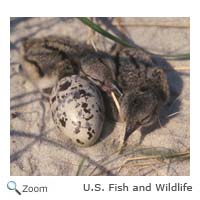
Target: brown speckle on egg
(89, 135)
(79, 141)
(62, 121)
(77, 130)
(65, 86)
(53, 99)
(74, 102)
(90, 117)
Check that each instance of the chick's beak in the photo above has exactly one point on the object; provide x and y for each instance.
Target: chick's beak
(130, 128)
(111, 87)
(114, 88)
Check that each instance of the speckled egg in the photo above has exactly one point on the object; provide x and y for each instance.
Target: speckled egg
(78, 109)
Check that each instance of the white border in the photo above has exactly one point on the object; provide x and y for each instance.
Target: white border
(71, 187)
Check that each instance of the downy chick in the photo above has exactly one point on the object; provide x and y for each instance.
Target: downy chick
(44, 63)
(101, 70)
(144, 86)
(52, 58)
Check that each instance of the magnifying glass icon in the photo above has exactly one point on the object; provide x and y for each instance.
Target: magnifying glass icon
(11, 185)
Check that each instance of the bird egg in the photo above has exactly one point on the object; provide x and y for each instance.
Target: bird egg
(78, 109)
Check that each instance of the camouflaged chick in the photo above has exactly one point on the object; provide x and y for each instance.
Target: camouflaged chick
(133, 86)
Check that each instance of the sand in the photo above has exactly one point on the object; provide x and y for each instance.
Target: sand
(37, 147)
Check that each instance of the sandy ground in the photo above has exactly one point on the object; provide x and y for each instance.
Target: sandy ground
(37, 148)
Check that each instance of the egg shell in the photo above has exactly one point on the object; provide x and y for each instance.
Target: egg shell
(78, 109)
